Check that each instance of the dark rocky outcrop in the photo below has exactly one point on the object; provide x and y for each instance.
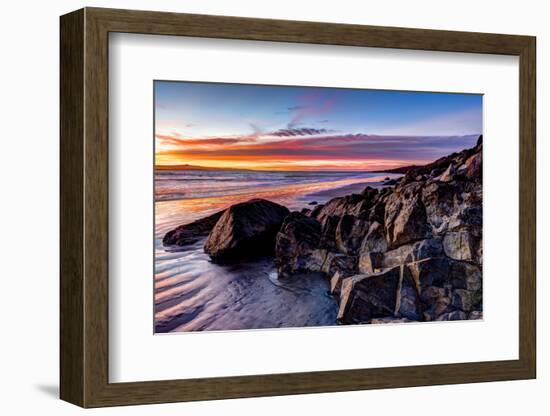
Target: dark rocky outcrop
(297, 245)
(410, 252)
(407, 252)
(245, 230)
(191, 233)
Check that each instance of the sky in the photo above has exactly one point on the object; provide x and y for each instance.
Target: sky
(308, 128)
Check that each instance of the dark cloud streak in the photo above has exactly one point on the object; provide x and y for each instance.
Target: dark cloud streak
(347, 147)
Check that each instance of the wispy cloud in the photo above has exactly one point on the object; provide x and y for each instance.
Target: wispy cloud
(296, 108)
(297, 132)
(177, 140)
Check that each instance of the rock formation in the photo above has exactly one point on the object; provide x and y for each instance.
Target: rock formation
(191, 233)
(245, 230)
(411, 252)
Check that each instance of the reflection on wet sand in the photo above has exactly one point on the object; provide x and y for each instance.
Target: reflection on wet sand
(194, 294)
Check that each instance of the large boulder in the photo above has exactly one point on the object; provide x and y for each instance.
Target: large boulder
(245, 229)
(191, 233)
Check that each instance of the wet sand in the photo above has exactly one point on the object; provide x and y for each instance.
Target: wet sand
(194, 294)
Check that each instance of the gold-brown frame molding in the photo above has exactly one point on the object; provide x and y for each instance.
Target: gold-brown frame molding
(84, 207)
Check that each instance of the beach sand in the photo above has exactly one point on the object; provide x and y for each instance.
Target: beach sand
(194, 294)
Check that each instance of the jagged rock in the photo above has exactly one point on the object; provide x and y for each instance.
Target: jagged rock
(463, 275)
(297, 245)
(448, 175)
(395, 257)
(431, 272)
(370, 193)
(336, 283)
(369, 262)
(378, 210)
(337, 280)
(354, 204)
(390, 182)
(407, 302)
(472, 167)
(430, 294)
(328, 232)
(440, 200)
(350, 233)
(391, 293)
(343, 263)
(405, 216)
(465, 300)
(375, 240)
(245, 229)
(312, 262)
(468, 212)
(460, 245)
(368, 296)
(316, 210)
(438, 308)
(409, 253)
(191, 233)
(432, 247)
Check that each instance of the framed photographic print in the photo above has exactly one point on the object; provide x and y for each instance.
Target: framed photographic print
(257, 207)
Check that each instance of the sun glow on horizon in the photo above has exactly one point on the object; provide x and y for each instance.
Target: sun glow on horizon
(258, 127)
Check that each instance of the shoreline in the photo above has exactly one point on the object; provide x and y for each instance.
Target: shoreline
(352, 188)
(390, 251)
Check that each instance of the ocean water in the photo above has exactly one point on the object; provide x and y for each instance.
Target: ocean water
(194, 294)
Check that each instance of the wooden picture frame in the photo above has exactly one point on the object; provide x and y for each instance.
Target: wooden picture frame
(84, 207)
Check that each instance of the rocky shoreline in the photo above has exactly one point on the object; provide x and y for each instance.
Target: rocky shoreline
(411, 251)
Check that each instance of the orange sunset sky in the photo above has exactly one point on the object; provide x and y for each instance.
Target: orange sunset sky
(307, 128)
